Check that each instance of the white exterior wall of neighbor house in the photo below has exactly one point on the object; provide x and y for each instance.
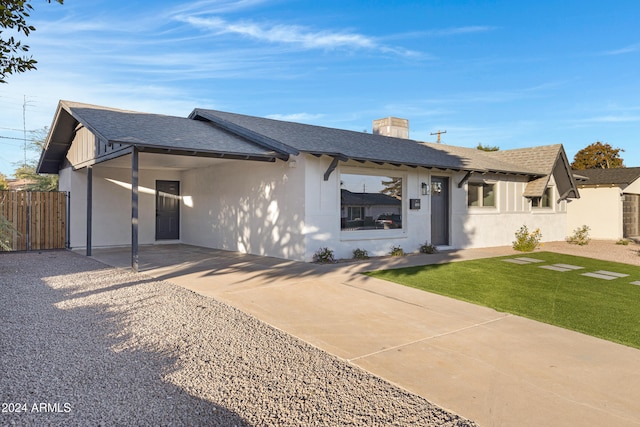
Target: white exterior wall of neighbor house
(250, 207)
(477, 227)
(600, 208)
(633, 188)
(111, 212)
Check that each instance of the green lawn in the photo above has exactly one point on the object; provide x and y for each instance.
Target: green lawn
(608, 309)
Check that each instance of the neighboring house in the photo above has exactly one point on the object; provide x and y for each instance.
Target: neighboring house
(269, 187)
(19, 184)
(609, 203)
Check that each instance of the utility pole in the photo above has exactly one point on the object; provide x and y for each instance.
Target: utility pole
(439, 133)
(24, 128)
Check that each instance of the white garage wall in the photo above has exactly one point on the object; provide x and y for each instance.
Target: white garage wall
(111, 213)
(599, 208)
(251, 207)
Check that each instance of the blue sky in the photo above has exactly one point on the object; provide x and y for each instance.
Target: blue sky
(506, 73)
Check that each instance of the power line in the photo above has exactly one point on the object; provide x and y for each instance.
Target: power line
(11, 137)
(18, 130)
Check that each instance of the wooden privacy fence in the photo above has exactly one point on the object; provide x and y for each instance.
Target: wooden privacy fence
(39, 219)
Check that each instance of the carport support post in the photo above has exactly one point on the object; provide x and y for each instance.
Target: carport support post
(89, 206)
(134, 210)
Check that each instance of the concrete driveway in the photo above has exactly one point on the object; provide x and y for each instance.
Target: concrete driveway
(494, 368)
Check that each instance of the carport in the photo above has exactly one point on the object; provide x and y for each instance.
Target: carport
(86, 136)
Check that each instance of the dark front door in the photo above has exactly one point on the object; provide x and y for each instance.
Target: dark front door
(167, 210)
(439, 210)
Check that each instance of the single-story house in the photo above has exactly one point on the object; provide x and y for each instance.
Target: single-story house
(269, 187)
(609, 204)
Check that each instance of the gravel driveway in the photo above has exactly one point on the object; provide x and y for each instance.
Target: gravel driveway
(83, 344)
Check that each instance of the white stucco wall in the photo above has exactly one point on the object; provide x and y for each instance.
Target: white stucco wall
(496, 226)
(633, 188)
(469, 227)
(599, 208)
(251, 207)
(322, 212)
(275, 209)
(111, 213)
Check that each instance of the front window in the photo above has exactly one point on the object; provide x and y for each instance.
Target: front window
(370, 202)
(481, 194)
(544, 201)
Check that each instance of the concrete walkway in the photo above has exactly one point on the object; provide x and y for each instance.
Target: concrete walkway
(494, 368)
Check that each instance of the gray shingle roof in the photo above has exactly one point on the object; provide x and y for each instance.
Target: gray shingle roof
(154, 131)
(617, 176)
(368, 147)
(211, 132)
(541, 158)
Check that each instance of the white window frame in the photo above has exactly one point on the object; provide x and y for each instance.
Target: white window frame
(377, 233)
(550, 198)
(479, 185)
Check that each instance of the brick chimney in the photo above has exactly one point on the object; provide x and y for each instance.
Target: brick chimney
(392, 126)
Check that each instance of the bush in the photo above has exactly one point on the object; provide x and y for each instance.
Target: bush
(623, 242)
(6, 233)
(324, 256)
(428, 248)
(360, 254)
(526, 241)
(580, 236)
(396, 251)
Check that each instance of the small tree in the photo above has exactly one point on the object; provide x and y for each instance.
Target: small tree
(487, 147)
(7, 230)
(4, 185)
(27, 171)
(598, 156)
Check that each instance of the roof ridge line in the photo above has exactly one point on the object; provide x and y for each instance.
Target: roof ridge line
(252, 136)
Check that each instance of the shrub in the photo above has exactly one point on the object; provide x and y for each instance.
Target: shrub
(580, 236)
(623, 242)
(324, 256)
(396, 251)
(6, 232)
(360, 254)
(526, 241)
(428, 248)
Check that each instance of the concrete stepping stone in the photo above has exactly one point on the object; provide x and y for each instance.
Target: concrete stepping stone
(516, 261)
(600, 276)
(555, 268)
(637, 282)
(522, 260)
(611, 273)
(569, 266)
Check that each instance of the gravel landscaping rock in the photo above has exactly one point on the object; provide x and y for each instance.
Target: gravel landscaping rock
(606, 250)
(83, 344)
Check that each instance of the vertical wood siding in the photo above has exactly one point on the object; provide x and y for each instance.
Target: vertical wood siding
(39, 219)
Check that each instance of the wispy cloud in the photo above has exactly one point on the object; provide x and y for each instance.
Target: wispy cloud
(214, 6)
(610, 119)
(628, 49)
(453, 31)
(291, 34)
(295, 35)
